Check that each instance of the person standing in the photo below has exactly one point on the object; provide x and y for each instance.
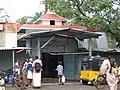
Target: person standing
(25, 65)
(24, 73)
(60, 73)
(17, 67)
(37, 68)
(30, 71)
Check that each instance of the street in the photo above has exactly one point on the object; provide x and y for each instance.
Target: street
(70, 86)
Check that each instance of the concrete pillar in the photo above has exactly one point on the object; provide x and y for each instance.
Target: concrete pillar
(28, 44)
(90, 46)
(39, 49)
(13, 58)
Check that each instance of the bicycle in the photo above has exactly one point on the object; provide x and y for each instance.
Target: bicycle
(100, 82)
(2, 84)
(18, 82)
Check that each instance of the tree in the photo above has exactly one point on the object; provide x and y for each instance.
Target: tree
(100, 14)
(22, 20)
(36, 16)
(25, 19)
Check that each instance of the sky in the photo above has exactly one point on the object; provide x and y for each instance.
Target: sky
(19, 8)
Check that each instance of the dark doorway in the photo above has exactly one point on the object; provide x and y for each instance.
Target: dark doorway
(50, 63)
(52, 22)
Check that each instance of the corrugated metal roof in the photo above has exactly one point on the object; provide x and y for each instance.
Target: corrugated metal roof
(81, 34)
(14, 48)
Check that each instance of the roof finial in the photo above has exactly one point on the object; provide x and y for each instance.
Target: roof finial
(49, 12)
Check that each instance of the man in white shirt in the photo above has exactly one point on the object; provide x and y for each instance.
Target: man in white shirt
(105, 66)
(37, 68)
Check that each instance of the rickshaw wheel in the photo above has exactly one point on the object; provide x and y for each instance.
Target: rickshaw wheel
(94, 82)
(100, 82)
(84, 82)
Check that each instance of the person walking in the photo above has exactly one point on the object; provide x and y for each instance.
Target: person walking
(108, 68)
(37, 68)
(112, 76)
(105, 65)
(119, 70)
(60, 73)
(30, 71)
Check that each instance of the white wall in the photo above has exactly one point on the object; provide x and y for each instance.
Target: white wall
(10, 39)
(45, 22)
(58, 23)
(2, 39)
(102, 41)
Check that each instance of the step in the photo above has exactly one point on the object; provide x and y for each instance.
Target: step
(49, 80)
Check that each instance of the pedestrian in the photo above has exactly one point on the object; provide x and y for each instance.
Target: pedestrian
(105, 65)
(25, 64)
(24, 73)
(112, 76)
(119, 70)
(60, 73)
(37, 68)
(2, 83)
(30, 71)
(17, 67)
(108, 68)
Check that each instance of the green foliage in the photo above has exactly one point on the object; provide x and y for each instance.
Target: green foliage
(101, 14)
(24, 20)
(36, 16)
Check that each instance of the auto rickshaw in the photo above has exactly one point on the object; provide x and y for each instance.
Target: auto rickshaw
(90, 68)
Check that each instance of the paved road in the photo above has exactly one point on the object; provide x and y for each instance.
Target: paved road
(72, 86)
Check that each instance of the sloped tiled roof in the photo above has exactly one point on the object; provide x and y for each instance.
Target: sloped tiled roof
(52, 17)
(18, 27)
(39, 26)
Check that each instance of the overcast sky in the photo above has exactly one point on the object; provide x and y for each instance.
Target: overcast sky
(18, 8)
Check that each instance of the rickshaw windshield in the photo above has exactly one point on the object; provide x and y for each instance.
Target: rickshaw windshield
(91, 65)
(84, 66)
(96, 65)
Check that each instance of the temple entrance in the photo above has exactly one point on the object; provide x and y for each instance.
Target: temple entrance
(50, 63)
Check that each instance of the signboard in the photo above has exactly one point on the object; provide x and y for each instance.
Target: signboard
(1, 27)
(10, 28)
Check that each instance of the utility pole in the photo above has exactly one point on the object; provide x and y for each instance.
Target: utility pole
(46, 5)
